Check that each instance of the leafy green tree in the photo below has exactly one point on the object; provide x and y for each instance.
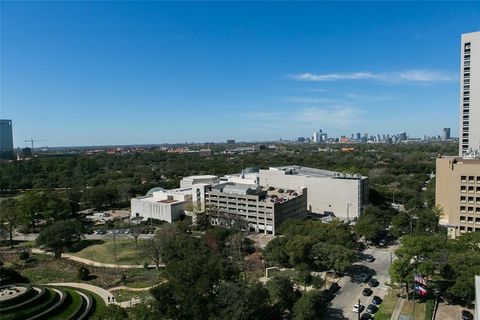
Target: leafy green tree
(241, 301)
(336, 257)
(370, 227)
(9, 216)
(298, 249)
(31, 205)
(281, 291)
(60, 236)
(194, 274)
(274, 253)
(309, 306)
(402, 224)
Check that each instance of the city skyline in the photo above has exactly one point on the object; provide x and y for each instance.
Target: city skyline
(171, 73)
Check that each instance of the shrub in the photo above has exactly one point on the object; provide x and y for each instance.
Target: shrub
(24, 255)
(83, 273)
(146, 265)
(318, 282)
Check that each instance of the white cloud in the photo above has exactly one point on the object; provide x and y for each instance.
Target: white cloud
(337, 116)
(423, 76)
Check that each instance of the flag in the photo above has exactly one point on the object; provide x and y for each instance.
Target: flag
(421, 291)
(420, 280)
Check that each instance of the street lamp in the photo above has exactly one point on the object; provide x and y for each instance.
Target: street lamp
(413, 263)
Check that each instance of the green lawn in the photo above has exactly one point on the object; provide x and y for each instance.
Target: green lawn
(389, 303)
(74, 302)
(409, 307)
(45, 269)
(104, 252)
(126, 295)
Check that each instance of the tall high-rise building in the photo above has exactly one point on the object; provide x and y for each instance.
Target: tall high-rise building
(446, 133)
(470, 98)
(316, 136)
(6, 139)
(458, 178)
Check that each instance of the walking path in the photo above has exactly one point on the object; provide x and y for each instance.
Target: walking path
(132, 289)
(104, 294)
(398, 309)
(95, 263)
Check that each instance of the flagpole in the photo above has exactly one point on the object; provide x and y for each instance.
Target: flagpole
(414, 274)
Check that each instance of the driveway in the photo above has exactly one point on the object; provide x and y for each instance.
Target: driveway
(350, 292)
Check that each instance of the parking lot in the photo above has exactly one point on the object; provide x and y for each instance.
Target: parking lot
(351, 292)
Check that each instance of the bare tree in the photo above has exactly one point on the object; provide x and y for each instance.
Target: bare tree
(135, 232)
(154, 248)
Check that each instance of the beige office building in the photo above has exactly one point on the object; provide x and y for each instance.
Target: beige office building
(458, 194)
(470, 95)
(457, 189)
(255, 208)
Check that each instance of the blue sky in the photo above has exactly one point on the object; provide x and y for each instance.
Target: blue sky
(94, 73)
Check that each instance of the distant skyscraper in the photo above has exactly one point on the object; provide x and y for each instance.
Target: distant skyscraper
(6, 139)
(359, 136)
(402, 136)
(446, 133)
(316, 136)
(470, 94)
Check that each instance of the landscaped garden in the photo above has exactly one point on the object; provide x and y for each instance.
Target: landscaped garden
(48, 302)
(126, 252)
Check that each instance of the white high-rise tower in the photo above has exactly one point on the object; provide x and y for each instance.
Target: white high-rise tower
(470, 95)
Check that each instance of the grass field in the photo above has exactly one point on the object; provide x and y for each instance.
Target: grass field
(104, 252)
(43, 269)
(409, 307)
(73, 305)
(388, 305)
(126, 295)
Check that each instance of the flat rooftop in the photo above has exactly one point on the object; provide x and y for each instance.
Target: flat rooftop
(205, 176)
(314, 172)
(267, 194)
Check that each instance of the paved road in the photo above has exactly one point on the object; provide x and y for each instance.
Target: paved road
(33, 236)
(350, 292)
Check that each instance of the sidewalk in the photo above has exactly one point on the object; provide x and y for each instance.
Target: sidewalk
(95, 263)
(398, 309)
(104, 294)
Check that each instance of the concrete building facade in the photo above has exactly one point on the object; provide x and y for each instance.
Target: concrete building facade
(328, 192)
(470, 94)
(458, 194)
(457, 189)
(161, 204)
(253, 207)
(188, 182)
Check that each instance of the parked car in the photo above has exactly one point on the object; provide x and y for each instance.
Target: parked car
(366, 316)
(372, 308)
(358, 307)
(467, 315)
(367, 292)
(377, 300)
(373, 282)
(364, 277)
(382, 243)
(334, 287)
(369, 258)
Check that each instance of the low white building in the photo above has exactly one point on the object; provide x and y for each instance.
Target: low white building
(328, 192)
(161, 204)
(188, 182)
